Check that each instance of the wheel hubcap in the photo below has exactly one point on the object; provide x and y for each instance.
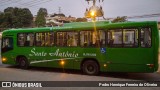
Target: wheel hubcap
(23, 63)
(90, 68)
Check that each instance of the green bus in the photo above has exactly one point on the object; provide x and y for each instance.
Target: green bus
(92, 47)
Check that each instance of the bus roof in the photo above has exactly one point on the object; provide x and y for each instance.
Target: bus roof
(81, 26)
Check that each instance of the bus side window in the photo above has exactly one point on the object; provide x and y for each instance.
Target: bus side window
(38, 39)
(92, 38)
(45, 39)
(87, 38)
(72, 38)
(21, 39)
(102, 38)
(130, 37)
(61, 39)
(30, 39)
(145, 37)
(115, 38)
(25, 39)
(67, 38)
(51, 39)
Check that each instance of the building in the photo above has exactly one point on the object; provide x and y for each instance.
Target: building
(58, 19)
(34, 18)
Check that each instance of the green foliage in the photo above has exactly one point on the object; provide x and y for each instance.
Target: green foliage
(16, 18)
(1, 18)
(81, 20)
(40, 19)
(120, 19)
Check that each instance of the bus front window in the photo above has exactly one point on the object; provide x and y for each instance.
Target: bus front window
(7, 44)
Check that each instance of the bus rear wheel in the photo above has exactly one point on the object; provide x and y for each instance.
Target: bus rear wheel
(23, 62)
(90, 67)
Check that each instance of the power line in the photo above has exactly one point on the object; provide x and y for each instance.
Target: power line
(31, 2)
(83, 4)
(11, 2)
(4, 2)
(34, 3)
(139, 16)
(40, 3)
(144, 16)
(28, 4)
(59, 10)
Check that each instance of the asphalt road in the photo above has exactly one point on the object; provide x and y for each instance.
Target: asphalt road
(13, 73)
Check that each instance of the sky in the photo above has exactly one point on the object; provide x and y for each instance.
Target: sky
(76, 8)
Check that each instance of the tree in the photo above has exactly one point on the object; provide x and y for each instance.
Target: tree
(120, 19)
(9, 9)
(1, 18)
(40, 19)
(26, 17)
(81, 20)
(16, 18)
(44, 11)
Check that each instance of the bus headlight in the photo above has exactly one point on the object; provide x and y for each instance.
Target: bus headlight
(4, 59)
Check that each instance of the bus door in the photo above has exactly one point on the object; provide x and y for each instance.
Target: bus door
(129, 50)
(7, 44)
(6, 47)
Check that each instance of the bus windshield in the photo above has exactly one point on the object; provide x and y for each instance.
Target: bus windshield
(7, 44)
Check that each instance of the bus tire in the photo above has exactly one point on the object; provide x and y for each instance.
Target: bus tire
(90, 67)
(23, 62)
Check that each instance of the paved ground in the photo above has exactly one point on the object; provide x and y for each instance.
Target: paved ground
(12, 73)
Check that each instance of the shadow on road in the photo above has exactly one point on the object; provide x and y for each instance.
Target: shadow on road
(130, 76)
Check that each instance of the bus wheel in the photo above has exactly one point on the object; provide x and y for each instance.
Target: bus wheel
(90, 67)
(23, 62)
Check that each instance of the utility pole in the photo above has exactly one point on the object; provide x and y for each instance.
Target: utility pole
(59, 10)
